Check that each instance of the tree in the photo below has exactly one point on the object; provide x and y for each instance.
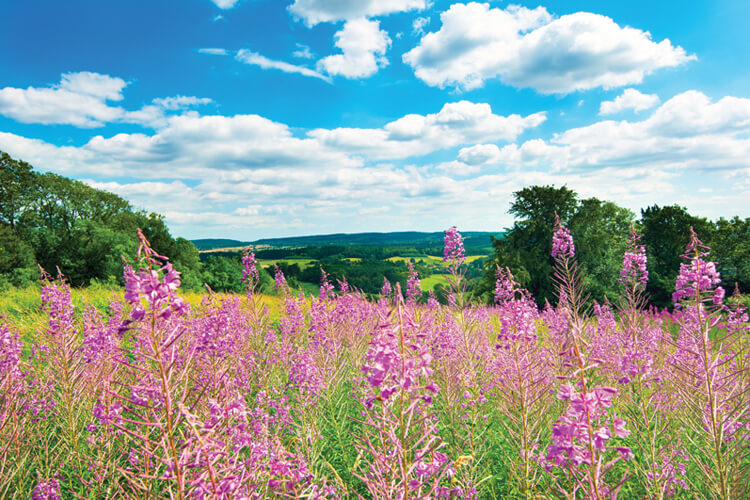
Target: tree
(223, 274)
(665, 232)
(526, 247)
(60, 222)
(600, 232)
(730, 246)
(14, 252)
(599, 228)
(16, 183)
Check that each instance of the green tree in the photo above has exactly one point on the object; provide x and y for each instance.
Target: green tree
(665, 232)
(600, 231)
(730, 246)
(16, 184)
(16, 258)
(83, 231)
(223, 274)
(526, 246)
(599, 228)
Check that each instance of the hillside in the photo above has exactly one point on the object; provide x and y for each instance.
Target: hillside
(213, 243)
(472, 239)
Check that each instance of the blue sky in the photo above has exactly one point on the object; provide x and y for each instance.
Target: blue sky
(258, 118)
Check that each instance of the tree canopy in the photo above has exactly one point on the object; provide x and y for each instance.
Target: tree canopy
(59, 223)
(600, 230)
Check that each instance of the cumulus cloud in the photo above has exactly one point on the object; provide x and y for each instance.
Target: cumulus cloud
(81, 99)
(250, 175)
(629, 99)
(363, 45)
(687, 132)
(313, 12)
(255, 59)
(455, 124)
(530, 48)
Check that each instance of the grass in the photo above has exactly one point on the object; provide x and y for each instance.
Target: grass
(430, 282)
(21, 307)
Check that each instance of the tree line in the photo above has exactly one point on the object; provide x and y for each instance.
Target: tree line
(600, 230)
(50, 221)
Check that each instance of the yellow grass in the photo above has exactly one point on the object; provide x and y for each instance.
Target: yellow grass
(20, 308)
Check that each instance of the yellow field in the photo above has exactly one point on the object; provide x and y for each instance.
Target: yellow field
(432, 259)
(21, 307)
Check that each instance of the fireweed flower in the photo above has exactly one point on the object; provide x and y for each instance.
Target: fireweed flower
(279, 279)
(708, 374)
(222, 401)
(634, 270)
(249, 270)
(47, 489)
(386, 290)
(413, 289)
(10, 351)
(505, 287)
(562, 241)
(697, 276)
(453, 252)
(401, 441)
(326, 287)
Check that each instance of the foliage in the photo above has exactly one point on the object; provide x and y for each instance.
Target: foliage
(666, 232)
(600, 229)
(55, 222)
(596, 225)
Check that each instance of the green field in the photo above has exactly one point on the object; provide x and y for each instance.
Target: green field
(432, 259)
(301, 262)
(430, 282)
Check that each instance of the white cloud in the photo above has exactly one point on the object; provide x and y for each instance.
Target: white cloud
(363, 45)
(303, 52)
(214, 51)
(479, 154)
(252, 177)
(688, 132)
(457, 123)
(188, 145)
(529, 48)
(629, 99)
(419, 24)
(225, 4)
(255, 59)
(313, 12)
(181, 102)
(79, 99)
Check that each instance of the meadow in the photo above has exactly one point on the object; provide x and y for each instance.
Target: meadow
(153, 393)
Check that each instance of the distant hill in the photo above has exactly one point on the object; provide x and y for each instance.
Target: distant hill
(472, 239)
(210, 244)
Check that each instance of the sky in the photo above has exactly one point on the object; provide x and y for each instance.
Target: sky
(248, 119)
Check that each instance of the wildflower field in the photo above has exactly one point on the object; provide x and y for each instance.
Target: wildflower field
(150, 395)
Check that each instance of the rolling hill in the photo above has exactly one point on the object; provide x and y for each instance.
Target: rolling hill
(472, 239)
